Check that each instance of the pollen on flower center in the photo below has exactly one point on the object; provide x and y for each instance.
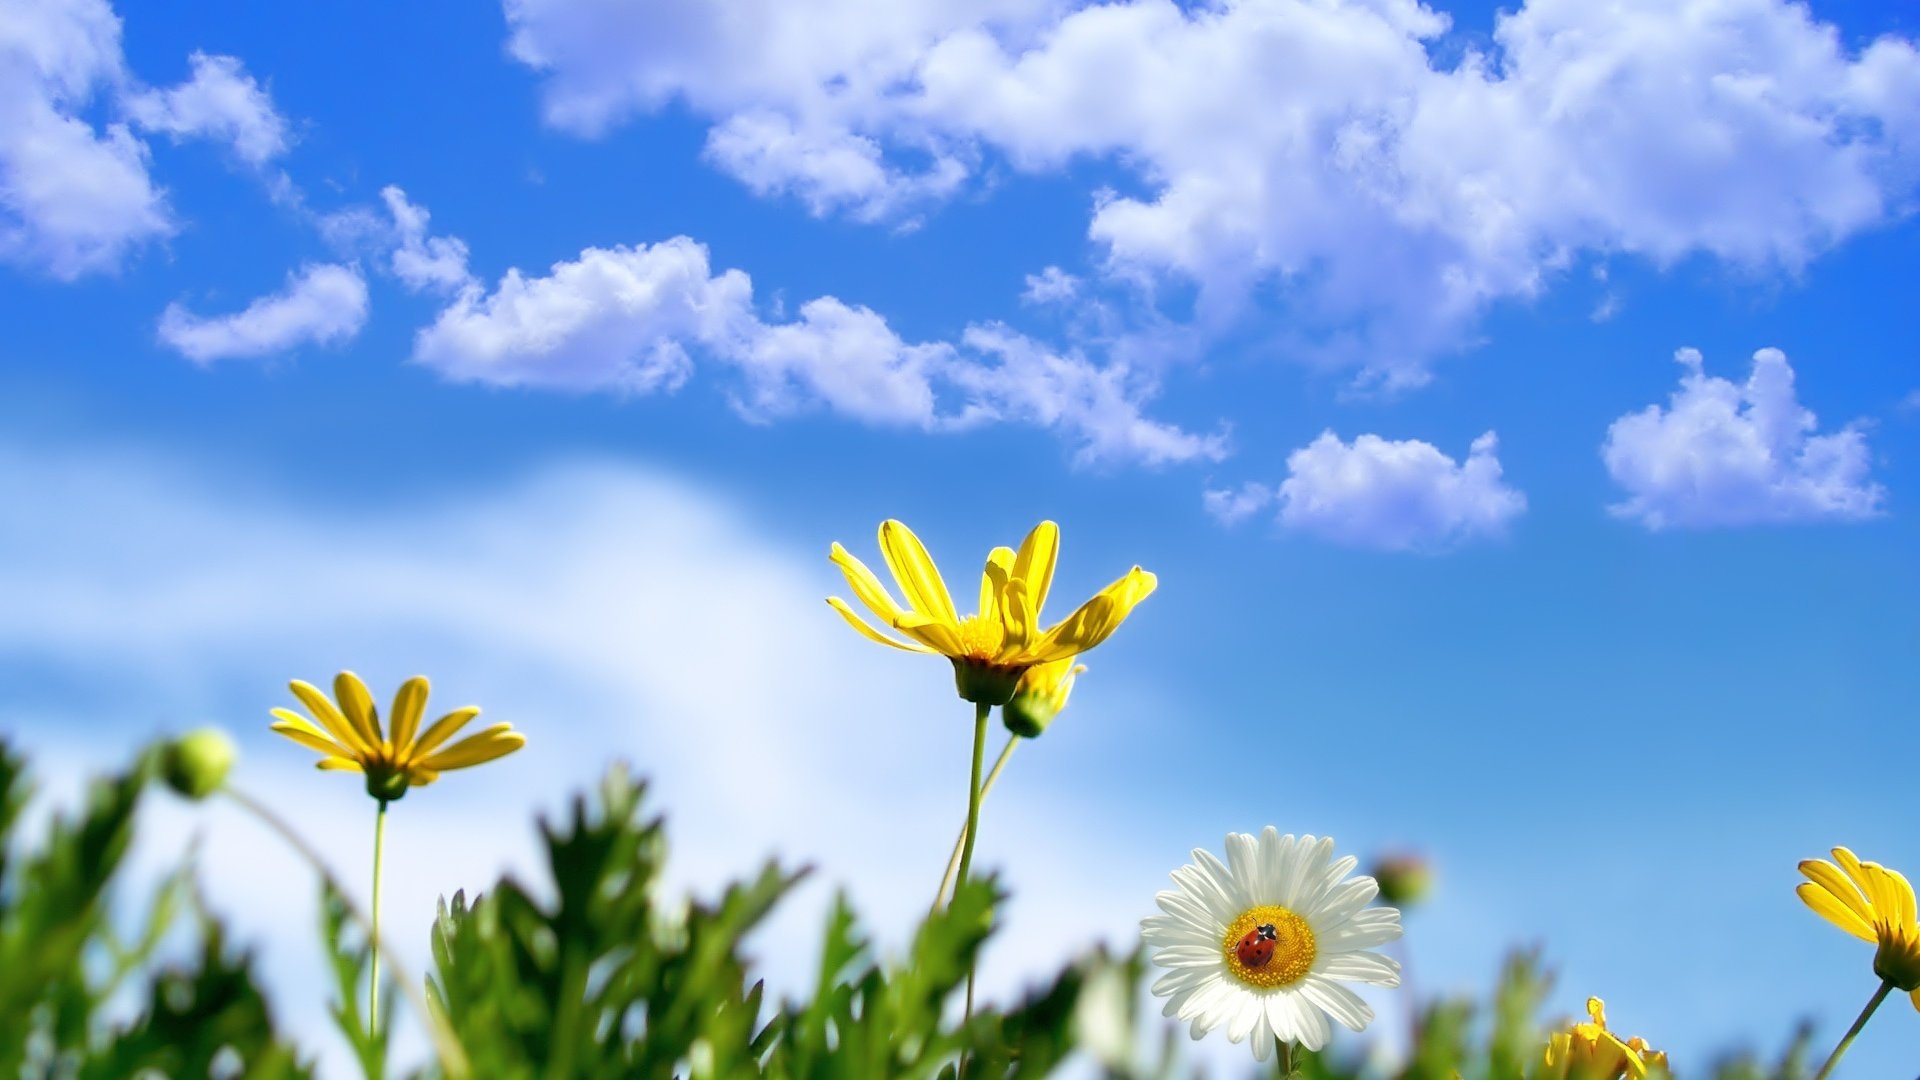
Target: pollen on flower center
(980, 637)
(1293, 947)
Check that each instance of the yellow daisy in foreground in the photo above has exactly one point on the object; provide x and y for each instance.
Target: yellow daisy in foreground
(1873, 904)
(349, 737)
(992, 648)
(1588, 1051)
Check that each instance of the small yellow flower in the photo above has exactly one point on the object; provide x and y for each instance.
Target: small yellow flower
(1588, 1051)
(1041, 695)
(992, 648)
(1873, 904)
(403, 757)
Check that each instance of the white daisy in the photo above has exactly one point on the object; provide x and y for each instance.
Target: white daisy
(1261, 943)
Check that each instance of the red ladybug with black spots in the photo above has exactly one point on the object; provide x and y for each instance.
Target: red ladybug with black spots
(1255, 950)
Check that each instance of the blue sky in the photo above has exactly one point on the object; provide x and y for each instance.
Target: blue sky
(545, 349)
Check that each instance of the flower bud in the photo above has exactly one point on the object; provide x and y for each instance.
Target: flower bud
(196, 764)
(983, 683)
(1404, 878)
(1041, 695)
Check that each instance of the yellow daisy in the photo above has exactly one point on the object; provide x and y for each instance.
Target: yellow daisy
(1588, 1051)
(992, 648)
(349, 738)
(1873, 904)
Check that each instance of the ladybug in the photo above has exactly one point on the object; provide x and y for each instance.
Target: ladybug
(1255, 950)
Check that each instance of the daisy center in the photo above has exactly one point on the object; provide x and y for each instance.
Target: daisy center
(1268, 946)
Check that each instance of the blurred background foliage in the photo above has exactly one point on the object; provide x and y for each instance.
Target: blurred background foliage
(608, 979)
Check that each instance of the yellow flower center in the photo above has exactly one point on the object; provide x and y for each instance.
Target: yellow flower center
(1269, 946)
(980, 638)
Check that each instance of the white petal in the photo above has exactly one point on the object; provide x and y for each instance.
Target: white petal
(1314, 1031)
(1243, 856)
(1326, 881)
(1343, 902)
(1366, 967)
(1340, 1003)
(1283, 1016)
(1186, 956)
(1242, 1018)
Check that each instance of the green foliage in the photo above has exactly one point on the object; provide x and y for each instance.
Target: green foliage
(598, 978)
(61, 960)
(350, 958)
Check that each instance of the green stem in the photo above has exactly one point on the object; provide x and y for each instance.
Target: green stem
(1846, 1040)
(373, 984)
(973, 790)
(953, 860)
(446, 1045)
(980, 711)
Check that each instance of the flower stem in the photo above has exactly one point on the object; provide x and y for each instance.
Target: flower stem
(953, 861)
(973, 790)
(446, 1045)
(1846, 1040)
(373, 983)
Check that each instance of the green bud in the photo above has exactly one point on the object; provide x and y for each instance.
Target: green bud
(1028, 715)
(1404, 879)
(196, 764)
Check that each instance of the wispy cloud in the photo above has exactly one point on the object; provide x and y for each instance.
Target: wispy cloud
(321, 304)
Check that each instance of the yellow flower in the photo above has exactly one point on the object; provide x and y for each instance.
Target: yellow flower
(1040, 696)
(1873, 904)
(1588, 1051)
(403, 757)
(991, 649)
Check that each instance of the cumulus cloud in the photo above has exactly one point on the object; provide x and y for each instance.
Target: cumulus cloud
(222, 102)
(1390, 495)
(637, 320)
(1727, 454)
(321, 304)
(76, 196)
(1311, 155)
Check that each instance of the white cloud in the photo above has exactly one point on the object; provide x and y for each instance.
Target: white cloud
(221, 101)
(1231, 506)
(635, 319)
(1050, 286)
(614, 319)
(424, 263)
(1394, 495)
(1726, 454)
(321, 304)
(608, 611)
(1306, 153)
(76, 197)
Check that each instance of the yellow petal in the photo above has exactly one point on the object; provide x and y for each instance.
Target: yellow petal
(1902, 889)
(913, 568)
(1017, 618)
(443, 729)
(1915, 996)
(937, 636)
(1852, 865)
(993, 579)
(330, 717)
(497, 741)
(1834, 911)
(1097, 618)
(357, 704)
(336, 764)
(860, 624)
(865, 585)
(1034, 565)
(1829, 877)
(408, 705)
(297, 729)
